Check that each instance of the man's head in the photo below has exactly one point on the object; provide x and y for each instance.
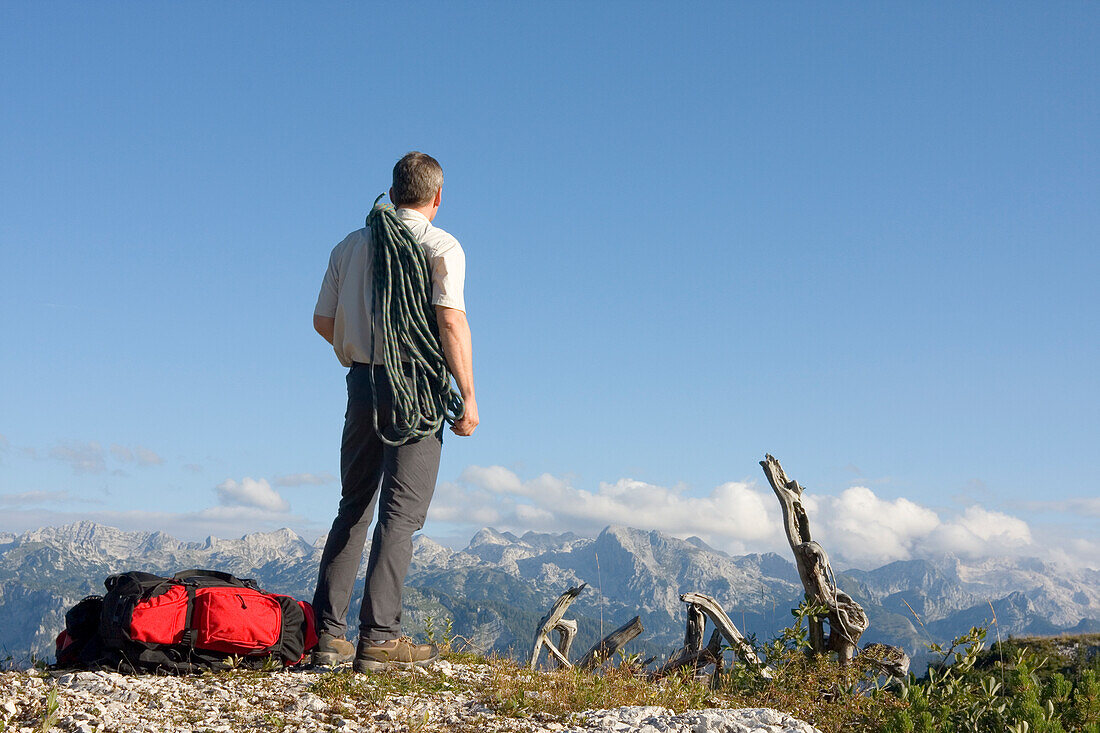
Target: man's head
(417, 180)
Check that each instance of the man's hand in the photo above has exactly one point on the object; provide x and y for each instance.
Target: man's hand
(454, 336)
(466, 424)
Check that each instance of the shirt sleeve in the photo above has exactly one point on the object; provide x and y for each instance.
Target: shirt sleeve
(449, 276)
(328, 297)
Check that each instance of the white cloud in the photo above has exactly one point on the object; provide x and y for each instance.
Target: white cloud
(251, 493)
(982, 533)
(732, 515)
(1088, 506)
(304, 479)
(34, 497)
(82, 458)
(857, 528)
(1077, 552)
(860, 529)
(138, 454)
(496, 479)
(145, 457)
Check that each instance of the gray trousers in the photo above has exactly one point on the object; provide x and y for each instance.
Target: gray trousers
(401, 480)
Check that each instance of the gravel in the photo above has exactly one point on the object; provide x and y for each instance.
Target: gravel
(283, 701)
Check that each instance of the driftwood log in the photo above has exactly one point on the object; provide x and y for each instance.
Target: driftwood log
(695, 657)
(566, 629)
(692, 651)
(722, 624)
(847, 620)
(613, 642)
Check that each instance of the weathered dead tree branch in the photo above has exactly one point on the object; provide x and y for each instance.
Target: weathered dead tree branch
(611, 643)
(686, 658)
(714, 648)
(722, 623)
(693, 634)
(847, 620)
(691, 652)
(567, 629)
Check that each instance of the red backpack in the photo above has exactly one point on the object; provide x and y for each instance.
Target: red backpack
(194, 621)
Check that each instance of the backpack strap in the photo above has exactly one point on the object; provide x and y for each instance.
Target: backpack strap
(188, 637)
(214, 577)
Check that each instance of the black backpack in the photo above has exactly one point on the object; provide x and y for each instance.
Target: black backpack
(197, 620)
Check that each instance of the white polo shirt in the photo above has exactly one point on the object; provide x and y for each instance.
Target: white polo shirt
(346, 288)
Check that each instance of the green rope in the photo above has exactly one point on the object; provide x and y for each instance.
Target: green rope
(401, 296)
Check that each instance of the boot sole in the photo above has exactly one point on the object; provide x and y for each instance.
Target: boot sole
(374, 665)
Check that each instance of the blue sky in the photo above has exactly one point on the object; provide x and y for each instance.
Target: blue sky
(859, 236)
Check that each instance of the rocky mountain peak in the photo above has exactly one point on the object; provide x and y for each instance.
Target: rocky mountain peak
(548, 541)
(490, 536)
(87, 537)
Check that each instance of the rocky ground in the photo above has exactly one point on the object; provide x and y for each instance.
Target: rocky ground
(311, 700)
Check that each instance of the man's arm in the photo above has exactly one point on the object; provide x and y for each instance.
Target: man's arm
(454, 335)
(325, 326)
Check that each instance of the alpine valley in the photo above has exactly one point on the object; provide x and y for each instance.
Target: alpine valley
(495, 590)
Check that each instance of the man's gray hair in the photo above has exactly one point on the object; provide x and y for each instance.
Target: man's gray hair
(416, 178)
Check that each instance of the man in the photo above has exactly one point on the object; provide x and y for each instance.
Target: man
(401, 479)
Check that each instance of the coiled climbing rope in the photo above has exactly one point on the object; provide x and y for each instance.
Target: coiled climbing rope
(403, 316)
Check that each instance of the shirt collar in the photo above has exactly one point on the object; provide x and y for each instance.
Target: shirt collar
(412, 214)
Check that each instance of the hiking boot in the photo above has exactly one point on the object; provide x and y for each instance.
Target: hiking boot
(332, 650)
(372, 656)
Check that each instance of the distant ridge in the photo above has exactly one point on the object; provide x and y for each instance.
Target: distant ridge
(497, 587)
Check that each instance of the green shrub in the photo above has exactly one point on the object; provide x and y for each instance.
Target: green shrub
(970, 690)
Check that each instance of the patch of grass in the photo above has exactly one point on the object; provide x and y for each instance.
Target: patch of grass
(817, 690)
(464, 657)
(52, 713)
(517, 691)
(273, 722)
(340, 685)
(958, 693)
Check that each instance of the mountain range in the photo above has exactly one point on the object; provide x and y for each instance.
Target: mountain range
(495, 590)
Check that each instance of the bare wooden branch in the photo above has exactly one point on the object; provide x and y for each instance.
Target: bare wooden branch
(611, 643)
(795, 521)
(567, 631)
(551, 621)
(693, 635)
(847, 620)
(558, 657)
(714, 648)
(685, 658)
(722, 623)
(691, 652)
